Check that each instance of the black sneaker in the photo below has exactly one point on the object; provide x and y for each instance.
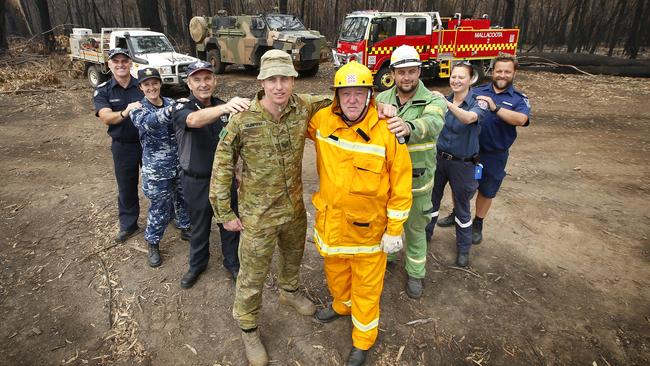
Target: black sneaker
(154, 256)
(123, 235)
(448, 221)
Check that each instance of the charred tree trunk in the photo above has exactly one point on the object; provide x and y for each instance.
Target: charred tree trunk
(188, 16)
(632, 43)
(283, 6)
(3, 29)
(149, 14)
(172, 28)
(44, 15)
(508, 18)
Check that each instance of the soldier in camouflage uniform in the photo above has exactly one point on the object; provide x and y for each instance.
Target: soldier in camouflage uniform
(160, 166)
(419, 120)
(270, 139)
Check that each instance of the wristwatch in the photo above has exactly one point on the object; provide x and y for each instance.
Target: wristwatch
(496, 109)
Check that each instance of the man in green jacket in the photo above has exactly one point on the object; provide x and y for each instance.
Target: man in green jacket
(419, 120)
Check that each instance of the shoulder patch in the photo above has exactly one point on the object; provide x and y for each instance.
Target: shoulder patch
(482, 104)
(526, 101)
(179, 106)
(182, 100)
(223, 134)
(95, 93)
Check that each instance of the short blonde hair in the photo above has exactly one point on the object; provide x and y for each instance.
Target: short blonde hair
(506, 57)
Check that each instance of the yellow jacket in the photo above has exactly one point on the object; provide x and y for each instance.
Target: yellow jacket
(365, 183)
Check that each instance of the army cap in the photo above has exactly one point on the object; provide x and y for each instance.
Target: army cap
(148, 73)
(198, 66)
(276, 63)
(118, 51)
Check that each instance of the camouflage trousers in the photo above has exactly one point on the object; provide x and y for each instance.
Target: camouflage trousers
(166, 203)
(414, 231)
(256, 248)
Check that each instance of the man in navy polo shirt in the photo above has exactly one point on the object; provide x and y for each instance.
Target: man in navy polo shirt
(114, 100)
(198, 120)
(510, 108)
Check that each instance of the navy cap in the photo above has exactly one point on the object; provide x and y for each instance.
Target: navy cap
(148, 73)
(118, 51)
(198, 66)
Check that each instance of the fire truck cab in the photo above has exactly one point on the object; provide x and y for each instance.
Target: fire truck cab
(369, 37)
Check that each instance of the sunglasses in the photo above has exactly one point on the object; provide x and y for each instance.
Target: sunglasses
(464, 63)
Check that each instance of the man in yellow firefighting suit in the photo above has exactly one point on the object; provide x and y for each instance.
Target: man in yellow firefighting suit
(363, 201)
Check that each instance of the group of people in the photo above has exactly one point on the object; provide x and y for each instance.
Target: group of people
(383, 162)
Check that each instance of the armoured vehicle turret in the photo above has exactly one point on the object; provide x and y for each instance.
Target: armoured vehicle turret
(224, 40)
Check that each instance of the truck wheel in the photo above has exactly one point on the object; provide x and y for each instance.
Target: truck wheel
(479, 73)
(214, 57)
(309, 72)
(383, 79)
(95, 76)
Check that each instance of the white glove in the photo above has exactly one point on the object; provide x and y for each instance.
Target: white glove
(391, 244)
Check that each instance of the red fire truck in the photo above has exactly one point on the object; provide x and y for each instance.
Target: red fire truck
(369, 37)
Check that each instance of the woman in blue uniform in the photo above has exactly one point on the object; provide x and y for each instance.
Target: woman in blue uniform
(458, 155)
(160, 165)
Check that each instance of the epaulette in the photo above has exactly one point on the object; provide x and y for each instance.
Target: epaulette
(102, 84)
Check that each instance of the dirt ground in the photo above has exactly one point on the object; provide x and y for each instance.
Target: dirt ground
(561, 278)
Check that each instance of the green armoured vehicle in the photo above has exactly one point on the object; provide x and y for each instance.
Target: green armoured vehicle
(223, 40)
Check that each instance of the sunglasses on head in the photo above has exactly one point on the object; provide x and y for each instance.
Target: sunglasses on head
(464, 63)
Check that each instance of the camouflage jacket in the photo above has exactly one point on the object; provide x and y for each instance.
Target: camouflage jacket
(425, 114)
(270, 192)
(158, 140)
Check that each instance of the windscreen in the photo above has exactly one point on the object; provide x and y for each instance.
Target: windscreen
(353, 29)
(283, 22)
(150, 44)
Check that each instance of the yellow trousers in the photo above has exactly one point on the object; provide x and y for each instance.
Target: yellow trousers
(355, 283)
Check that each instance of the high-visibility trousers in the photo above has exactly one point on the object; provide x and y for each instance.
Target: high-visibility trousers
(356, 283)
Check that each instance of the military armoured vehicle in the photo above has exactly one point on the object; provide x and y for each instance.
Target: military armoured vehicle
(223, 40)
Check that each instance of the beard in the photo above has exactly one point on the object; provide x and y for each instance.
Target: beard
(411, 87)
(503, 84)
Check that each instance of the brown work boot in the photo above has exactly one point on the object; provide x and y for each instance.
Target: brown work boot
(255, 351)
(295, 299)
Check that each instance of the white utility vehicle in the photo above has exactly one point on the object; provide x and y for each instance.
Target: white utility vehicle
(147, 49)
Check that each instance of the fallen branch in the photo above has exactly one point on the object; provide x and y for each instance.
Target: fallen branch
(420, 321)
(466, 270)
(519, 296)
(553, 63)
(99, 251)
(110, 293)
(22, 91)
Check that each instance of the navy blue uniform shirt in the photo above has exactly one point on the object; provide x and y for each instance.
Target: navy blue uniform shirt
(457, 138)
(496, 135)
(196, 146)
(111, 95)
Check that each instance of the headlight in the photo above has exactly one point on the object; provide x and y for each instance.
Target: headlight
(165, 70)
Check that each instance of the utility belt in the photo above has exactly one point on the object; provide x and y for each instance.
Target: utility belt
(190, 173)
(446, 156)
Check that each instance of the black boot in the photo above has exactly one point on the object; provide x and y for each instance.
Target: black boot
(357, 357)
(186, 234)
(154, 256)
(123, 235)
(477, 231)
(448, 221)
(462, 259)
(326, 315)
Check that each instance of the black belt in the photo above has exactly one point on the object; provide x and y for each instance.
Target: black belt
(126, 141)
(446, 156)
(195, 175)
